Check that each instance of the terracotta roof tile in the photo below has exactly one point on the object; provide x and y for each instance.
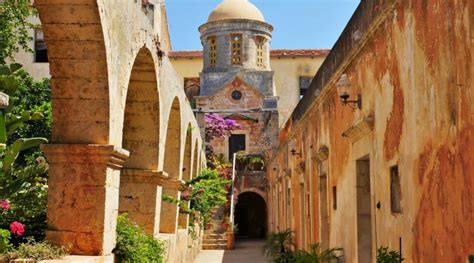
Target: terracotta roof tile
(273, 53)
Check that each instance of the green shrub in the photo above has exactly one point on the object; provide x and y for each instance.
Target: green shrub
(133, 245)
(205, 192)
(35, 250)
(384, 255)
(29, 207)
(278, 245)
(4, 241)
(316, 255)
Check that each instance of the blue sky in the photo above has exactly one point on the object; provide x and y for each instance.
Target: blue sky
(297, 23)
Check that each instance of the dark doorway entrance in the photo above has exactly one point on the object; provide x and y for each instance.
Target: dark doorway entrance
(251, 216)
(236, 143)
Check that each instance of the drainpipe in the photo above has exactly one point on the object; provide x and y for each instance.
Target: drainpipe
(232, 193)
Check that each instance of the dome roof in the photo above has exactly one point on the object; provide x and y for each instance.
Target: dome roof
(236, 9)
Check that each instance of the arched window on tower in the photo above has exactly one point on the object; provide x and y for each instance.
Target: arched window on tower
(260, 42)
(212, 51)
(236, 49)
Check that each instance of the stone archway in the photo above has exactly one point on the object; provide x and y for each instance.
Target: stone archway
(141, 135)
(187, 171)
(169, 212)
(251, 215)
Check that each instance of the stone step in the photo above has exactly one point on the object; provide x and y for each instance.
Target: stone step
(215, 231)
(214, 242)
(214, 247)
(214, 236)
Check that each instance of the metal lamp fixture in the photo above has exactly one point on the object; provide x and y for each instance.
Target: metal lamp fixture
(343, 88)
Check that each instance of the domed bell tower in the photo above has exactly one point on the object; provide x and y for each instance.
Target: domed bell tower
(236, 39)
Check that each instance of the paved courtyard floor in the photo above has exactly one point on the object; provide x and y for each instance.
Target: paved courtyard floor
(248, 251)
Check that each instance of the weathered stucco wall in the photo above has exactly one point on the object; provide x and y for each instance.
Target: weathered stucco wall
(412, 63)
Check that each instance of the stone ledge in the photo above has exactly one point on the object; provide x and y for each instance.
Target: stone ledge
(143, 176)
(113, 156)
(359, 129)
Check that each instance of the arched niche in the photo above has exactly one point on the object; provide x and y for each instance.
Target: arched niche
(141, 135)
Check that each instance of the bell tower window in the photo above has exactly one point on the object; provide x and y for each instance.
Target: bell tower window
(212, 51)
(236, 49)
(260, 44)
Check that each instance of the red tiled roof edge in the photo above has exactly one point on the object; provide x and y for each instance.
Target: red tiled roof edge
(273, 53)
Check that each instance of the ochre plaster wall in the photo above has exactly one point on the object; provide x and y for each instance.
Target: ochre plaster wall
(415, 74)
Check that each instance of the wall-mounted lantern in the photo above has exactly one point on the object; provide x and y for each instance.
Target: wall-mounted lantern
(292, 146)
(343, 89)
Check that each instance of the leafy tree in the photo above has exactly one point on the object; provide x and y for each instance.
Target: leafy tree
(32, 96)
(14, 27)
(11, 180)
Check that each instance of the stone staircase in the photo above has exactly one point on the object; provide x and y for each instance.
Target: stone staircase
(215, 237)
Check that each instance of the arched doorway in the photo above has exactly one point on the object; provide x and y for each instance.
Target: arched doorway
(251, 215)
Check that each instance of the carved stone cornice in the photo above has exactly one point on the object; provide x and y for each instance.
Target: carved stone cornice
(113, 156)
(359, 129)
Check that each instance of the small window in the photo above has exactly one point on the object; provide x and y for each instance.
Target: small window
(237, 143)
(212, 52)
(236, 95)
(236, 49)
(41, 53)
(395, 190)
(334, 198)
(305, 82)
(260, 47)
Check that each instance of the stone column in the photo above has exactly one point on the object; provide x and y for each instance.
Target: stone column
(169, 217)
(140, 197)
(83, 196)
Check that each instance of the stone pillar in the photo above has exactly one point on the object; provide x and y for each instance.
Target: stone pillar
(140, 197)
(83, 196)
(169, 216)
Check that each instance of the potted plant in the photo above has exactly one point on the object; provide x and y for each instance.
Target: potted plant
(256, 163)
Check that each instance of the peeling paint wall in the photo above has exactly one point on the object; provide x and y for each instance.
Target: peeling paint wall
(413, 66)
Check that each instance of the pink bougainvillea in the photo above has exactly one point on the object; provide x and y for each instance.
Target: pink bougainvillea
(5, 204)
(217, 126)
(17, 228)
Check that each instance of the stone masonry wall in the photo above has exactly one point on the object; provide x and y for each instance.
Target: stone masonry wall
(98, 52)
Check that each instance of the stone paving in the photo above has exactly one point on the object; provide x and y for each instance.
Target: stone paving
(248, 251)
